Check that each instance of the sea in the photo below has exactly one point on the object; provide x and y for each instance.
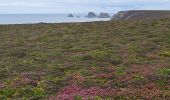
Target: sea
(45, 18)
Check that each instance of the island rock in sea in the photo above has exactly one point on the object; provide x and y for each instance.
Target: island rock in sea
(91, 15)
(104, 15)
(70, 15)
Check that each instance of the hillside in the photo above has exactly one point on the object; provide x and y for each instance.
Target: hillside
(122, 60)
(142, 14)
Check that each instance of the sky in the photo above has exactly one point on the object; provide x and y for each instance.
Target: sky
(79, 6)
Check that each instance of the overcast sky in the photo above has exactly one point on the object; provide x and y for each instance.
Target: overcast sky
(79, 6)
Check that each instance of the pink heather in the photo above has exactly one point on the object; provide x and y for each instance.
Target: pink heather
(68, 93)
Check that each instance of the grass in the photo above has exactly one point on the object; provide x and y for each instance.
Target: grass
(98, 60)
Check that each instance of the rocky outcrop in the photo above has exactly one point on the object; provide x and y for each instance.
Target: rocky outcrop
(141, 14)
(91, 15)
(120, 15)
(104, 15)
(70, 15)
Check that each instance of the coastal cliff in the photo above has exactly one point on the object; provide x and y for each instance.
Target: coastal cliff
(141, 14)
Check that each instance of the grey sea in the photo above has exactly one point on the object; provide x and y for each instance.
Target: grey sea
(45, 18)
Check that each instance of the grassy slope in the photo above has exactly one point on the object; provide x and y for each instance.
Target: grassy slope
(120, 60)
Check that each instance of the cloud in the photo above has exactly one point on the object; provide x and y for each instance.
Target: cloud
(20, 4)
(78, 6)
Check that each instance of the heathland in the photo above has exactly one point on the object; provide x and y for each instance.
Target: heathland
(115, 60)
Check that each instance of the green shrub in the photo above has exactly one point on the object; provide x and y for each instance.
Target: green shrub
(78, 98)
(7, 92)
(100, 54)
(39, 56)
(85, 72)
(27, 93)
(4, 73)
(107, 56)
(161, 82)
(165, 54)
(17, 52)
(115, 60)
(55, 53)
(38, 92)
(97, 98)
(164, 71)
(87, 57)
(120, 71)
(138, 77)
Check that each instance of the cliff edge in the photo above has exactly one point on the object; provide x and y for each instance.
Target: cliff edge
(141, 14)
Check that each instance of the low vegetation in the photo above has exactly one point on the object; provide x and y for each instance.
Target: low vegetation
(121, 60)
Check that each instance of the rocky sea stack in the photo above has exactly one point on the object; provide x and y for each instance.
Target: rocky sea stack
(70, 15)
(91, 15)
(104, 15)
